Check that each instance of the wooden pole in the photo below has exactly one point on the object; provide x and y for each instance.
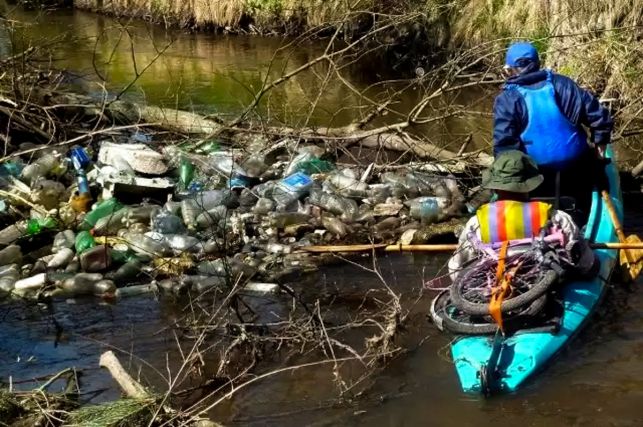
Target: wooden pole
(438, 247)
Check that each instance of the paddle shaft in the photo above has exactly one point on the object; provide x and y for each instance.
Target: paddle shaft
(439, 248)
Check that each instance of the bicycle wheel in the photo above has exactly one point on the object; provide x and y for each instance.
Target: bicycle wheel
(471, 293)
(447, 316)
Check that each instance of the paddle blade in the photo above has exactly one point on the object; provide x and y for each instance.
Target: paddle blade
(631, 260)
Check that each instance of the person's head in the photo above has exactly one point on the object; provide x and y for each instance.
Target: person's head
(521, 57)
(512, 176)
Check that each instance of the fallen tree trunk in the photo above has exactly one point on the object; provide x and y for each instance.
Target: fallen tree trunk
(390, 137)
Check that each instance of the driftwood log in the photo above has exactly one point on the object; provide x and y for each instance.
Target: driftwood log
(391, 137)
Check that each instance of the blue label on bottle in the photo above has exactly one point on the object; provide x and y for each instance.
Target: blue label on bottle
(298, 180)
(79, 158)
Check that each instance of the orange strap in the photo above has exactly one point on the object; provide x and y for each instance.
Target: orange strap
(499, 292)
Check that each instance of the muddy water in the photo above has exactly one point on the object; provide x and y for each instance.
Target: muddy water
(597, 381)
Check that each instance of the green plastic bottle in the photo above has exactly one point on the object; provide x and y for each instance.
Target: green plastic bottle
(101, 210)
(84, 241)
(37, 225)
(186, 173)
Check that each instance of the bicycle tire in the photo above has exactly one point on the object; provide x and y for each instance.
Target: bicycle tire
(444, 320)
(539, 289)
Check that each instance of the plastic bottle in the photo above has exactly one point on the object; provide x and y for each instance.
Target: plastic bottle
(180, 243)
(145, 245)
(165, 222)
(263, 206)
(81, 283)
(61, 259)
(31, 283)
(11, 169)
(216, 267)
(96, 259)
(128, 271)
(186, 173)
(13, 232)
(79, 158)
(291, 188)
(255, 165)
(135, 290)
(211, 217)
(428, 209)
(297, 161)
(189, 212)
(378, 193)
(142, 214)
(335, 226)
(110, 224)
(334, 203)
(10, 255)
(37, 225)
(9, 275)
(223, 163)
(284, 219)
(41, 167)
(63, 239)
(348, 186)
(84, 241)
(101, 210)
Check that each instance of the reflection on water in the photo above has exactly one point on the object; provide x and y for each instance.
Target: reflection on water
(220, 74)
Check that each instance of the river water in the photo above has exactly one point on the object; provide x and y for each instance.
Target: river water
(597, 381)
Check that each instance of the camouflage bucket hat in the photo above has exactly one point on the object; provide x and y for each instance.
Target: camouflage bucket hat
(512, 171)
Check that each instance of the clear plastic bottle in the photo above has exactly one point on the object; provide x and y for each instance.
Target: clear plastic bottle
(428, 209)
(43, 166)
(212, 217)
(334, 203)
(181, 243)
(165, 222)
(348, 186)
(10, 255)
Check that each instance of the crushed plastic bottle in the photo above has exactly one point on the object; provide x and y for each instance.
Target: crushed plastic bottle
(291, 188)
(224, 164)
(38, 225)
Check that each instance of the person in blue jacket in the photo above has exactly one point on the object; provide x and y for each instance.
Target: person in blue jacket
(544, 114)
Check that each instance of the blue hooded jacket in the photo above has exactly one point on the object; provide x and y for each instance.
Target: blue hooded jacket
(577, 104)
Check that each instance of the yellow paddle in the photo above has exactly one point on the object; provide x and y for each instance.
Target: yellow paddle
(631, 259)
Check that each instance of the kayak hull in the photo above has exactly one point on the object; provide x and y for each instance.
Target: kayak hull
(515, 359)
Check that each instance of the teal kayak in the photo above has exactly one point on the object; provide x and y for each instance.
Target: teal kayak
(497, 364)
